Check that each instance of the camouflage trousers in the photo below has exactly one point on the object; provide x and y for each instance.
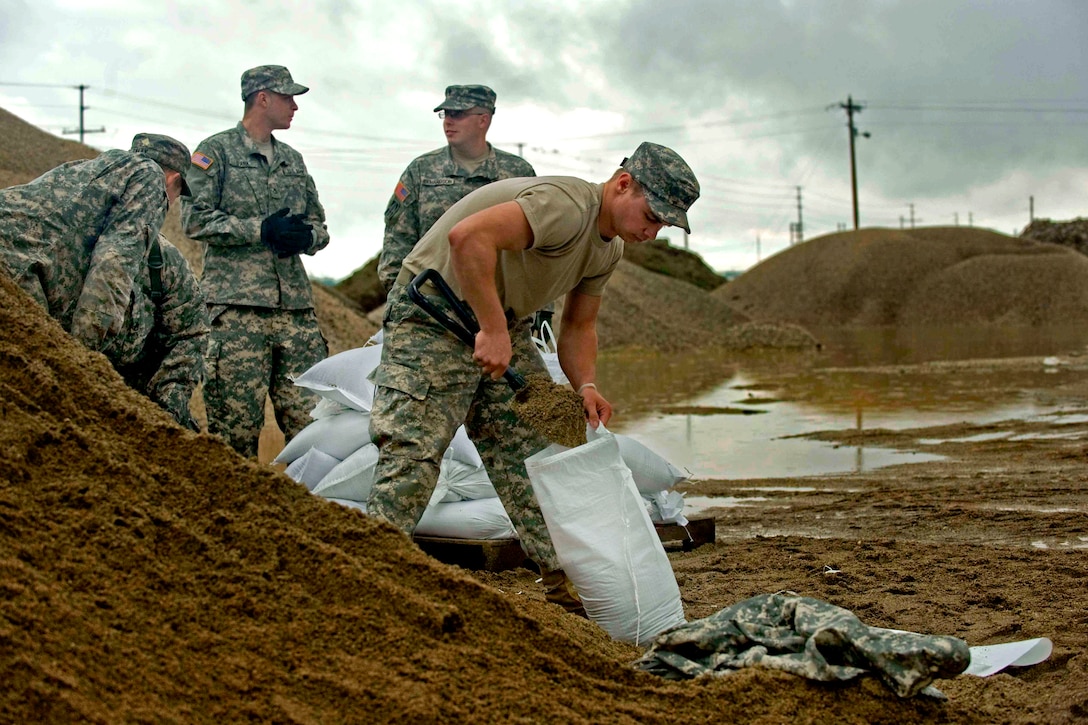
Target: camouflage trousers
(254, 352)
(427, 386)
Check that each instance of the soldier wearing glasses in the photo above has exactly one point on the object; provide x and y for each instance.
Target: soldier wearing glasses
(433, 182)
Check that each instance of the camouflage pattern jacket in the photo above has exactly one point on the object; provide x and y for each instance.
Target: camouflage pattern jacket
(84, 228)
(806, 637)
(234, 190)
(161, 351)
(430, 185)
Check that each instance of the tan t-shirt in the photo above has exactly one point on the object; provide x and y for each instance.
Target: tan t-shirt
(567, 253)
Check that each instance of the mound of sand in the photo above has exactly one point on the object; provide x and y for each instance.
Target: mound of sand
(150, 573)
(26, 152)
(939, 275)
(661, 257)
(1072, 233)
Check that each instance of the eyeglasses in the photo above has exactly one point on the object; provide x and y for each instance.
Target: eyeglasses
(459, 114)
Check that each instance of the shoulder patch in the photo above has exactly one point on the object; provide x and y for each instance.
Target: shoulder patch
(202, 160)
(401, 192)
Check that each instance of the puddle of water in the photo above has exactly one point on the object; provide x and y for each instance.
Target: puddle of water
(967, 439)
(699, 410)
(697, 504)
(1080, 543)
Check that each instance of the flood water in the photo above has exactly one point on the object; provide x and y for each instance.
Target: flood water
(737, 417)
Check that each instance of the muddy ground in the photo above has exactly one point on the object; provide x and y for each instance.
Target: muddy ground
(989, 545)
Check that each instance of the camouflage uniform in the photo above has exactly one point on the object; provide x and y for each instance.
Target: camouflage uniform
(434, 182)
(161, 350)
(427, 385)
(263, 327)
(76, 237)
(807, 637)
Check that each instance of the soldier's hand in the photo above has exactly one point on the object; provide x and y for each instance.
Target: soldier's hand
(493, 352)
(272, 227)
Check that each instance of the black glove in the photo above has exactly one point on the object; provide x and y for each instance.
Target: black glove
(286, 235)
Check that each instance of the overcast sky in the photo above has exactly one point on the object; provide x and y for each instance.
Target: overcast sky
(973, 109)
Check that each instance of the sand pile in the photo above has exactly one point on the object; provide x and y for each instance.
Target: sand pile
(661, 257)
(27, 152)
(150, 573)
(1073, 233)
(938, 275)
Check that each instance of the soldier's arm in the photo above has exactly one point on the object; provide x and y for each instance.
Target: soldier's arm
(182, 336)
(118, 253)
(401, 227)
(202, 217)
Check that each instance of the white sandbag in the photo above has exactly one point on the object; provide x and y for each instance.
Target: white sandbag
(325, 407)
(357, 505)
(604, 539)
(343, 377)
(309, 468)
(651, 472)
(336, 435)
(665, 507)
(351, 479)
(467, 482)
(482, 519)
(463, 449)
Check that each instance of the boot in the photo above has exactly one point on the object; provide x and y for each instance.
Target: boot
(558, 589)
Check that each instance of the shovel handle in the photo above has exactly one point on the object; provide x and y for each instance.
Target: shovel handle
(466, 329)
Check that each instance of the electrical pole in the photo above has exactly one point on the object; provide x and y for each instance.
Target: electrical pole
(1031, 209)
(911, 205)
(851, 108)
(82, 129)
(800, 224)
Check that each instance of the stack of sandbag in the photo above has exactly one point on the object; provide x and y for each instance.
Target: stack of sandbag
(334, 456)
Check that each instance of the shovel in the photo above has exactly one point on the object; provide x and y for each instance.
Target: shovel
(466, 329)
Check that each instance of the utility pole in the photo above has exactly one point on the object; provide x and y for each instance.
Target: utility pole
(851, 108)
(911, 205)
(1031, 209)
(800, 223)
(82, 129)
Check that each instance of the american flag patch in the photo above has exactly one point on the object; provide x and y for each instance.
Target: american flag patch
(201, 160)
(401, 192)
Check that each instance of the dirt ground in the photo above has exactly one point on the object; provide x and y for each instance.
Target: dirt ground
(150, 574)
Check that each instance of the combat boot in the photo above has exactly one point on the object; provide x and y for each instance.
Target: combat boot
(558, 589)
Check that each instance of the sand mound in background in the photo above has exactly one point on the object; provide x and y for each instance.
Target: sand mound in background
(946, 275)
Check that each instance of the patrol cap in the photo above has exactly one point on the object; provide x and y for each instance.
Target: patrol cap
(462, 98)
(169, 153)
(275, 78)
(668, 182)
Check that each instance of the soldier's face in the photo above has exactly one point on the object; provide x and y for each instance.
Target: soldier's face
(173, 186)
(634, 220)
(466, 128)
(281, 110)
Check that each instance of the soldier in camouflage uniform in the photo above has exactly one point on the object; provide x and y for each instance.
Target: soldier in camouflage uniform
(77, 237)
(161, 350)
(507, 248)
(255, 209)
(433, 182)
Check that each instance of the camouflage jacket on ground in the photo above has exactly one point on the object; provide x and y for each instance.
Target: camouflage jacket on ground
(161, 350)
(430, 185)
(807, 637)
(85, 228)
(234, 190)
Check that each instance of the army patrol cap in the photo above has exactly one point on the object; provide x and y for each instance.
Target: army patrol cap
(668, 182)
(273, 78)
(169, 153)
(462, 98)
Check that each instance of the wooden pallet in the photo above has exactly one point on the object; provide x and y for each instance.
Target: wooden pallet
(502, 554)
